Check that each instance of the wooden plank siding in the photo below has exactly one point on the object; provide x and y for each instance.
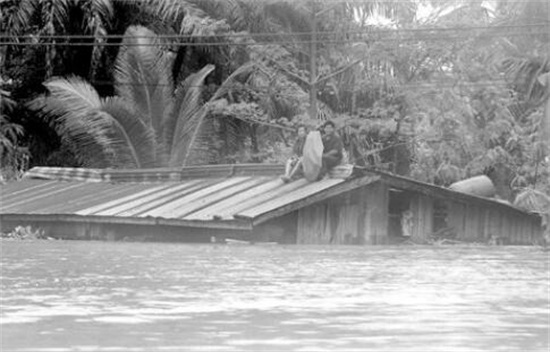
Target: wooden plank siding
(376, 214)
(347, 228)
(456, 218)
(512, 229)
(472, 223)
(493, 223)
(509, 229)
(314, 225)
(422, 210)
(522, 231)
(355, 217)
(478, 223)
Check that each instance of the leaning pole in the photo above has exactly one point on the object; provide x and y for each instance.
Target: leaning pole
(545, 123)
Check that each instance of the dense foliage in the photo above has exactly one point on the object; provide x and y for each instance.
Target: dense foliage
(435, 90)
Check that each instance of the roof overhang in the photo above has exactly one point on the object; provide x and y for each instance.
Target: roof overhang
(439, 192)
(237, 224)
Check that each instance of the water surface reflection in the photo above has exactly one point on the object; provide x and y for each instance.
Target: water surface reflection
(97, 296)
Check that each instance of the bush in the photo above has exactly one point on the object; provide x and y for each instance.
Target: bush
(24, 233)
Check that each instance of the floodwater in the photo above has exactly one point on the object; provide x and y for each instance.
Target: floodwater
(99, 296)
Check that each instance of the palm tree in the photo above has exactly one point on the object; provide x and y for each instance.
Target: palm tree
(9, 132)
(149, 123)
(524, 60)
(289, 25)
(525, 57)
(44, 21)
(12, 157)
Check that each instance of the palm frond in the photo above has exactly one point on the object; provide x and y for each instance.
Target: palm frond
(77, 94)
(54, 14)
(6, 103)
(364, 10)
(227, 85)
(142, 76)
(215, 8)
(98, 15)
(186, 96)
(522, 58)
(134, 142)
(97, 22)
(101, 12)
(15, 16)
(9, 133)
(190, 115)
(172, 11)
(74, 109)
(231, 137)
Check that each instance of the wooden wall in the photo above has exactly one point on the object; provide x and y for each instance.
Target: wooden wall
(422, 208)
(356, 217)
(376, 213)
(362, 217)
(314, 224)
(477, 223)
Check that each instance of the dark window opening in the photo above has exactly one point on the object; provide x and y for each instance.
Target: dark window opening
(399, 205)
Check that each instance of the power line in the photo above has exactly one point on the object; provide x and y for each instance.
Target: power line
(342, 88)
(226, 43)
(252, 35)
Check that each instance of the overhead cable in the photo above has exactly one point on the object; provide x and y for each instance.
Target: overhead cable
(290, 34)
(226, 43)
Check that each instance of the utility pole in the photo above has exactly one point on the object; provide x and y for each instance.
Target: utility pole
(545, 123)
(313, 64)
(314, 80)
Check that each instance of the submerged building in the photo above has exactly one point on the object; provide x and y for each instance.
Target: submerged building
(250, 202)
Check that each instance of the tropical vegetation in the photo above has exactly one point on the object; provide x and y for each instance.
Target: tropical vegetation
(434, 90)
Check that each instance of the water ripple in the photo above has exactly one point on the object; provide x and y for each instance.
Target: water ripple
(94, 296)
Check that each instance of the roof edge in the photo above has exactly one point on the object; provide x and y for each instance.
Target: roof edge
(237, 224)
(444, 192)
(334, 190)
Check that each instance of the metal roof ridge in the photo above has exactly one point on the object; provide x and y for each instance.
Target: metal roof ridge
(161, 174)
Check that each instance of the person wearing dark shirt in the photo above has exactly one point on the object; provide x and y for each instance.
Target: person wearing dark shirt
(333, 148)
(298, 147)
(293, 164)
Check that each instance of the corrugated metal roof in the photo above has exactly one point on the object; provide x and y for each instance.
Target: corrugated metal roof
(219, 196)
(205, 201)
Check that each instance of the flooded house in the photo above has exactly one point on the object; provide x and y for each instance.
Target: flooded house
(249, 202)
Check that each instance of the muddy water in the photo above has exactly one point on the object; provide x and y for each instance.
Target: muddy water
(97, 296)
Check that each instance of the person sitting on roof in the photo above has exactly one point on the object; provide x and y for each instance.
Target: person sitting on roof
(295, 161)
(332, 148)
